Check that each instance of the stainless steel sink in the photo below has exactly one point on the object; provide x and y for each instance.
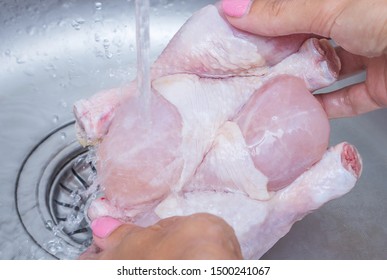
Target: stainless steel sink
(54, 52)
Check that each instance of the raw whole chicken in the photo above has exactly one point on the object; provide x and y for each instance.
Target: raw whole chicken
(232, 129)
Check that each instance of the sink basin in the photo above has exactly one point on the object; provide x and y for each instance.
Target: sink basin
(54, 52)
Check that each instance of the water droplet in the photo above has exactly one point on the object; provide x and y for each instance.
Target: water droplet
(77, 198)
(108, 54)
(57, 229)
(31, 30)
(106, 43)
(274, 118)
(98, 18)
(55, 119)
(97, 37)
(63, 103)
(118, 42)
(21, 60)
(49, 224)
(29, 72)
(61, 23)
(98, 5)
(63, 135)
(50, 67)
(7, 52)
(98, 53)
(87, 243)
(77, 23)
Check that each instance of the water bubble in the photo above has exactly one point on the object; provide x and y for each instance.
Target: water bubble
(98, 5)
(55, 119)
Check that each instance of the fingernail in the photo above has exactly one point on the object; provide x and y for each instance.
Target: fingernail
(236, 8)
(103, 227)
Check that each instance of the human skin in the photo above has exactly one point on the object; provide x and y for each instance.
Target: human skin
(359, 27)
(198, 236)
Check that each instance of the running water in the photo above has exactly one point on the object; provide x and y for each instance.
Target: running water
(143, 46)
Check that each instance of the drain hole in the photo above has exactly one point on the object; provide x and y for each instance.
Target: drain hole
(68, 199)
(53, 187)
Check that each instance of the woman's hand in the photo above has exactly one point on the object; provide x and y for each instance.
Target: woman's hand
(359, 27)
(199, 236)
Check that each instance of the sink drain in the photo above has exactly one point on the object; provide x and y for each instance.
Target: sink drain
(53, 186)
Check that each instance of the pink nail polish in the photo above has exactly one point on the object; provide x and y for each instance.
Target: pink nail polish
(104, 226)
(236, 8)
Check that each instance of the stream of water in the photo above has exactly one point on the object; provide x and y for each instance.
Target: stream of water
(143, 61)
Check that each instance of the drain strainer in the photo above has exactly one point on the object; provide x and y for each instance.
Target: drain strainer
(53, 187)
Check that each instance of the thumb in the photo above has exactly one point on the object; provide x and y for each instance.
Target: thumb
(109, 232)
(283, 17)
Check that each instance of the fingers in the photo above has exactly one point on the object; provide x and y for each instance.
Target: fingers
(347, 102)
(199, 236)
(279, 17)
(337, 19)
(359, 98)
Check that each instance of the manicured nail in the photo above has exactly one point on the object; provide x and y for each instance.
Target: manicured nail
(236, 8)
(103, 227)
